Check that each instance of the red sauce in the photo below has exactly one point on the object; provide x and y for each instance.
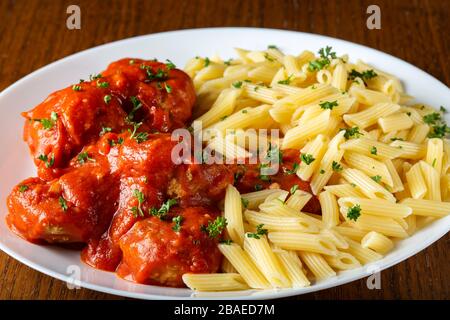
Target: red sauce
(99, 184)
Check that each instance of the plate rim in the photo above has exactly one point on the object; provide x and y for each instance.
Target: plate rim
(269, 294)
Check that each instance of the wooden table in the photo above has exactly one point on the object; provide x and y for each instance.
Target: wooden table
(33, 33)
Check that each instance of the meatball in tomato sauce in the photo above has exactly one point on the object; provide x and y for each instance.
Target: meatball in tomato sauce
(159, 252)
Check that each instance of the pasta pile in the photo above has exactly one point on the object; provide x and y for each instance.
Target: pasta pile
(378, 163)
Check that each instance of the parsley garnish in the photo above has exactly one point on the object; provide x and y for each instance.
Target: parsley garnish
(107, 98)
(227, 62)
(365, 75)
(432, 118)
(137, 210)
(374, 150)
(354, 212)
(376, 178)
(328, 105)
(294, 169)
(237, 84)
(307, 158)
(215, 227)
(244, 202)
(336, 167)
(63, 203)
(48, 162)
(259, 232)
(207, 62)
(325, 58)
(322, 171)
(352, 133)
(136, 106)
(48, 124)
(164, 209)
(105, 130)
(170, 65)
(293, 189)
(76, 88)
(177, 220)
(23, 188)
(272, 46)
(442, 109)
(227, 241)
(439, 131)
(102, 84)
(83, 157)
(168, 88)
(286, 81)
(95, 76)
(258, 187)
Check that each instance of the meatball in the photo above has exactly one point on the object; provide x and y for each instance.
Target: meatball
(73, 208)
(158, 252)
(166, 94)
(200, 184)
(137, 197)
(58, 128)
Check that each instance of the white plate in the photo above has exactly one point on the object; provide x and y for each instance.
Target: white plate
(179, 46)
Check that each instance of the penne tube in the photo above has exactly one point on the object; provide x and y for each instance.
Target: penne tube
(377, 242)
(317, 264)
(395, 122)
(372, 148)
(344, 190)
(313, 151)
(343, 261)
(330, 210)
(293, 267)
(233, 214)
(214, 281)
(280, 223)
(377, 207)
(364, 255)
(427, 208)
(303, 242)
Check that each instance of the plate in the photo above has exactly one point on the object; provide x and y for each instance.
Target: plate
(179, 46)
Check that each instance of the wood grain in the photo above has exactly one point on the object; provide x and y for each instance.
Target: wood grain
(33, 34)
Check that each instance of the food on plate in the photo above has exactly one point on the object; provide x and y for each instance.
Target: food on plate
(309, 165)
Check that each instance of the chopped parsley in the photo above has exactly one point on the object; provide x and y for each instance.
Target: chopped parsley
(95, 76)
(48, 124)
(227, 241)
(365, 75)
(286, 81)
(432, 118)
(442, 109)
(307, 158)
(207, 62)
(227, 62)
(325, 59)
(76, 88)
(168, 88)
(83, 157)
(259, 232)
(395, 139)
(272, 46)
(170, 65)
(294, 169)
(23, 188)
(244, 202)
(268, 57)
(354, 212)
(376, 178)
(136, 106)
(164, 209)
(137, 210)
(48, 161)
(328, 105)
(322, 171)
(258, 187)
(336, 167)
(293, 189)
(237, 84)
(374, 150)
(352, 133)
(177, 220)
(105, 130)
(215, 228)
(63, 203)
(439, 131)
(102, 84)
(107, 98)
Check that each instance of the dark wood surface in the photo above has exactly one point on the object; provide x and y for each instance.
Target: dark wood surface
(33, 33)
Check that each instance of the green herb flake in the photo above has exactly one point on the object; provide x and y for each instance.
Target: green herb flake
(63, 203)
(293, 189)
(164, 209)
(336, 167)
(374, 150)
(215, 228)
(23, 188)
(376, 178)
(307, 158)
(259, 232)
(177, 221)
(328, 105)
(354, 212)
